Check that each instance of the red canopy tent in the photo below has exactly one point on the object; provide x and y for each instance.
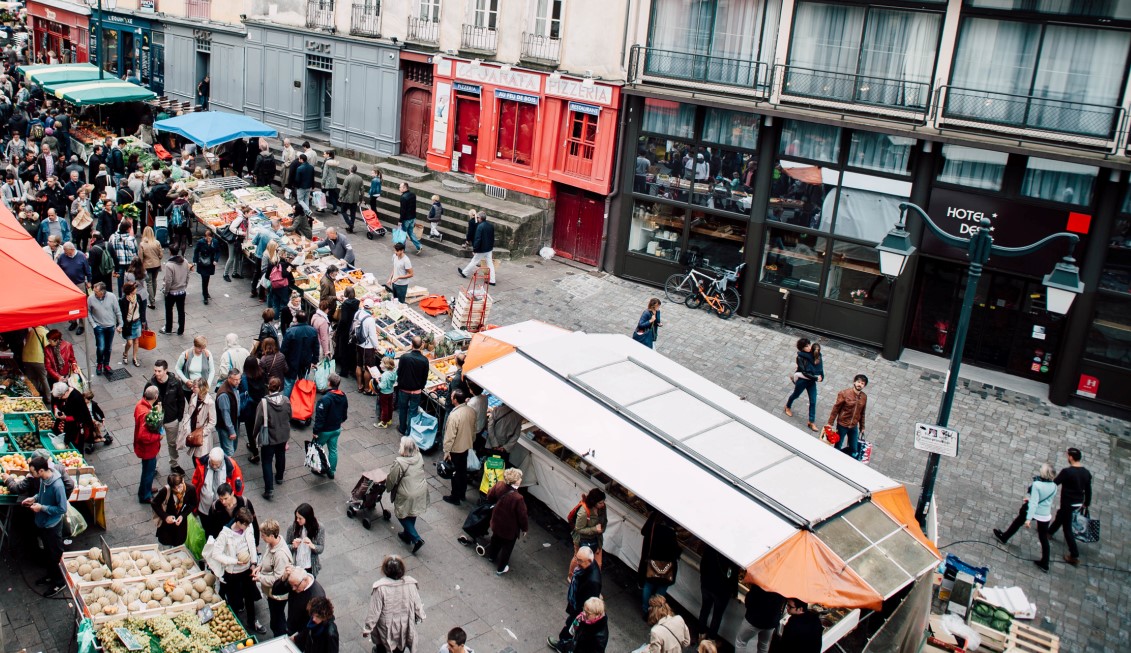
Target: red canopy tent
(36, 292)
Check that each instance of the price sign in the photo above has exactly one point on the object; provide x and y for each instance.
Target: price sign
(205, 614)
(936, 439)
(128, 639)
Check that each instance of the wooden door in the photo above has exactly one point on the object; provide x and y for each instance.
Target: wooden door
(578, 224)
(467, 133)
(415, 113)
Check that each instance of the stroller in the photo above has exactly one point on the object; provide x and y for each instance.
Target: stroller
(372, 224)
(366, 496)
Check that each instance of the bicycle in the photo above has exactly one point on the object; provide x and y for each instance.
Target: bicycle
(716, 293)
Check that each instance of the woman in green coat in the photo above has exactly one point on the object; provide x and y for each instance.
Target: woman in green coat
(408, 487)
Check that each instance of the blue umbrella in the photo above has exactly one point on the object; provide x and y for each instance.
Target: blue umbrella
(212, 128)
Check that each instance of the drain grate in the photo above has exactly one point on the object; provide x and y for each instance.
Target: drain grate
(118, 374)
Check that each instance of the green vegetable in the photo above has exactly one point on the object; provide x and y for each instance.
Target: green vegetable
(983, 609)
(1002, 615)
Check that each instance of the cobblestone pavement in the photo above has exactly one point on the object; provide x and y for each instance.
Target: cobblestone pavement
(1005, 438)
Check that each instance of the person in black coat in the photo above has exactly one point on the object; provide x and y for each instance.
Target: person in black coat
(264, 168)
(204, 257)
(300, 347)
(172, 505)
(345, 354)
(591, 628)
(320, 634)
(718, 580)
(661, 546)
(802, 632)
(583, 585)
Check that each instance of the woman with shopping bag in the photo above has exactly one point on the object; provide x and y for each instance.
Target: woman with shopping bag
(172, 506)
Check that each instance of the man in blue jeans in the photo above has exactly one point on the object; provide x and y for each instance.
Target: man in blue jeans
(147, 443)
(50, 508)
(848, 416)
(408, 214)
(106, 317)
(412, 374)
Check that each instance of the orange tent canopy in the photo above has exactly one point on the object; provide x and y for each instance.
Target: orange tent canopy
(803, 567)
(36, 291)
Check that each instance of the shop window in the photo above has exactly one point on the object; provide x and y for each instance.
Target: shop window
(1109, 339)
(973, 168)
(1116, 275)
(517, 123)
(809, 140)
(669, 118)
(110, 51)
(734, 128)
(802, 194)
(659, 167)
(581, 143)
(868, 206)
(1059, 181)
(717, 241)
(794, 260)
(880, 152)
(657, 230)
(855, 277)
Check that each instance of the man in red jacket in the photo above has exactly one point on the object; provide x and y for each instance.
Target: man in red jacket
(210, 473)
(147, 444)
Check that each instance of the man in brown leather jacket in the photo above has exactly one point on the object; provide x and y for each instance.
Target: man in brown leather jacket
(848, 416)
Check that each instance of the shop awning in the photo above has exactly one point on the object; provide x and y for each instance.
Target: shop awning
(36, 292)
(212, 128)
(105, 91)
(802, 518)
(64, 73)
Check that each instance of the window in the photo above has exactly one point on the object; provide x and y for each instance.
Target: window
(868, 207)
(1058, 181)
(802, 194)
(794, 260)
(430, 11)
(731, 128)
(855, 276)
(517, 121)
(1120, 9)
(1116, 275)
(717, 240)
(966, 166)
(713, 40)
(809, 140)
(667, 117)
(880, 152)
(581, 142)
(860, 54)
(1109, 338)
(486, 13)
(1056, 77)
(657, 230)
(548, 18)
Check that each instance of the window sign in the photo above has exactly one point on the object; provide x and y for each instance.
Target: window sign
(516, 97)
(585, 108)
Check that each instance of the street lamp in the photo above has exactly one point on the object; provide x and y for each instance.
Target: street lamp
(1063, 285)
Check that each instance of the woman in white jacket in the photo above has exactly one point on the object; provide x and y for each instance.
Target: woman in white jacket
(199, 414)
(233, 558)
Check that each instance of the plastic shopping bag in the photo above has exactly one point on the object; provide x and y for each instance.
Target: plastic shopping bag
(399, 235)
(75, 524)
(492, 473)
(318, 200)
(423, 429)
(473, 463)
(322, 373)
(316, 459)
(194, 542)
(1084, 527)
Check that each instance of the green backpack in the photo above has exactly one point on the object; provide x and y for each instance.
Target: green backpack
(106, 263)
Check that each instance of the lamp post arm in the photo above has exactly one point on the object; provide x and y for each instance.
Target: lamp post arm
(1010, 252)
(953, 241)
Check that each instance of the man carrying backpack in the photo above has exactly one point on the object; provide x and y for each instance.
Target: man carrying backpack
(148, 418)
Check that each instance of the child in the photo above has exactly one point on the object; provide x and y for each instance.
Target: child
(385, 393)
(98, 431)
(435, 214)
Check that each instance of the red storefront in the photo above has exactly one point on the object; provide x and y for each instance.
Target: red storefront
(61, 28)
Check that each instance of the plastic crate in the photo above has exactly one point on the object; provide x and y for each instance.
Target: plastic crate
(19, 423)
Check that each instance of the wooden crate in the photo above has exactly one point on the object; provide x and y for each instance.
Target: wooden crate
(1026, 639)
(992, 640)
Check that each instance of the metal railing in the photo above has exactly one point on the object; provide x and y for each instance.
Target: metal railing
(198, 9)
(541, 48)
(898, 95)
(1012, 113)
(366, 19)
(697, 70)
(423, 30)
(320, 14)
(483, 39)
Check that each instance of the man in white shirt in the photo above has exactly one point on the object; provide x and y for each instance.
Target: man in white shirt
(402, 272)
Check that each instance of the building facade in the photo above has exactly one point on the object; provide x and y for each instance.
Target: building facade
(782, 135)
(60, 30)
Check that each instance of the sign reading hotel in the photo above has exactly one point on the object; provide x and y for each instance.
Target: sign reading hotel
(499, 77)
(576, 90)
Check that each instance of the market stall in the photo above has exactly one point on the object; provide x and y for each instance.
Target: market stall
(63, 73)
(803, 519)
(210, 129)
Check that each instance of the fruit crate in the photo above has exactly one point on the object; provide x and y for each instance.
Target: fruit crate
(19, 423)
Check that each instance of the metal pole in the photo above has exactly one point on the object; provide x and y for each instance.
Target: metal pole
(98, 44)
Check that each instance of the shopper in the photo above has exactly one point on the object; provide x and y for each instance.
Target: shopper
(130, 306)
(395, 609)
(320, 322)
(274, 413)
(233, 357)
(412, 375)
(375, 189)
(228, 411)
(300, 347)
(456, 642)
(1037, 506)
(351, 197)
(408, 215)
(233, 555)
(300, 587)
(435, 215)
(289, 157)
(59, 358)
(803, 631)
(386, 386)
(76, 266)
(402, 272)
(150, 252)
(345, 353)
(659, 557)
(329, 180)
(584, 584)
(33, 359)
(718, 583)
(105, 317)
(504, 428)
(459, 436)
(472, 223)
(211, 473)
(197, 432)
(279, 277)
(330, 413)
(408, 486)
(590, 519)
(172, 504)
(174, 285)
(591, 628)
(50, 508)
(303, 179)
(669, 633)
(320, 635)
(204, 257)
(147, 443)
(648, 326)
(196, 363)
(264, 170)
(123, 247)
(848, 416)
(135, 274)
(1075, 483)
(482, 247)
(763, 615)
(273, 363)
(272, 563)
(508, 519)
(306, 539)
(253, 387)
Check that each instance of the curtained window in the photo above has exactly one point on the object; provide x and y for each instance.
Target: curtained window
(809, 140)
(670, 118)
(517, 122)
(731, 128)
(1120, 9)
(880, 152)
(1059, 181)
(713, 40)
(966, 166)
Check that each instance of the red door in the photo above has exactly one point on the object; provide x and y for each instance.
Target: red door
(414, 122)
(467, 133)
(578, 222)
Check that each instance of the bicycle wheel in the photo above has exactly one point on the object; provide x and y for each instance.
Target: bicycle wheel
(729, 300)
(677, 288)
(694, 300)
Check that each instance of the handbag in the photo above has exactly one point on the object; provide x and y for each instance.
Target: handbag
(148, 340)
(82, 220)
(659, 570)
(829, 435)
(1084, 527)
(196, 436)
(264, 438)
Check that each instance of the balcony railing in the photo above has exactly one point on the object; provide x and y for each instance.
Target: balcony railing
(697, 70)
(482, 39)
(198, 9)
(320, 14)
(366, 19)
(423, 30)
(541, 48)
(893, 98)
(1016, 114)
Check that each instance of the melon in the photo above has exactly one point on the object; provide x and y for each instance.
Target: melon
(145, 571)
(136, 606)
(118, 587)
(177, 595)
(94, 553)
(97, 573)
(158, 593)
(199, 585)
(165, 566)
(209, 578)
(208, 595)
(84, 570)
(152, 604)
(119, 572)
(151, 583)
(166, 601)
(145, 596)
(136, 555)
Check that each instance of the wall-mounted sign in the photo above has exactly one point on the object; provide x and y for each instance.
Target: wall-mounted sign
(936, 439)
(577, 90)
(1088, 386)
(440, 113)
(585, 108)
(147, 6)
(516, 97)
(498, 77)
(471, 89)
